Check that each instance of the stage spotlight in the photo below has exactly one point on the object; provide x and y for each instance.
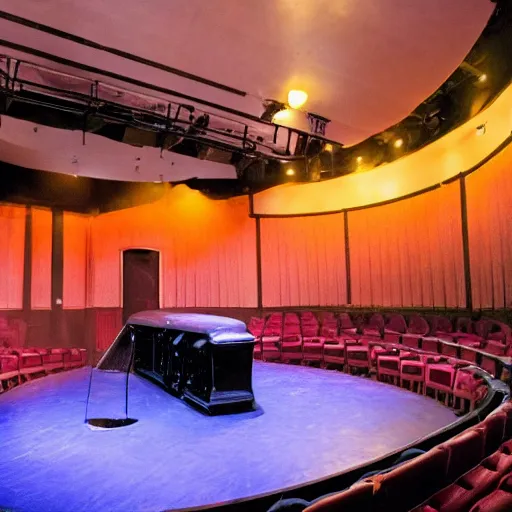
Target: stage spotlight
(297, 99)
(398, 143)
(290, 172)
(480, 130)
(282, 115)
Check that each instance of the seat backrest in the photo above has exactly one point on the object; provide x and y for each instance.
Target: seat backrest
(466, 451)
(464, 324)
(376, 321)
(291, 318)
(395, 322)
(493, 429)
(273, 325)
(412, 483)
(345, 321)
(358, 497)
(329, 325)
(255, 325)
(440, 323)
(418, 325)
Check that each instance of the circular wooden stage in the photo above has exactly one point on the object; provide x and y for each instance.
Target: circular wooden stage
(310, 423)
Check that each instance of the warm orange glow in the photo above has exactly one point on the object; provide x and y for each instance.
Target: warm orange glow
(453, 153)
(12, 227)
(296, 98)
(328, 147)
(290, 172)
(359, 160)
(207, 250)
(282, 115)
(40, 297)
(398, 143)
(482, 78)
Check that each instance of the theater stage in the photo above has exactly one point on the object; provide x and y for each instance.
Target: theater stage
(312, 423)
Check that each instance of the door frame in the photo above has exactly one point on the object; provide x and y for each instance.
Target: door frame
(160, 273)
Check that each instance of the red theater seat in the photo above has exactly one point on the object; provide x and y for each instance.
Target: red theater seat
(468, 387)
(334, 351)
(411, 483)
(53, 359)
(412, 373)
(272, 337)
(9, 370)
(374, 328)
(395, 326)
(291, 345)
(440, 327)
(440, 377)
(359, 497)
(417, 328)
(312, 342)
(466, 451)
(72, 358)
(255, 327)
(30, 361)
(357, 354)
(499, 500)
(347, 326)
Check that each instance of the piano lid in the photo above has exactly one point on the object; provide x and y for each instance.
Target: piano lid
(219, 329)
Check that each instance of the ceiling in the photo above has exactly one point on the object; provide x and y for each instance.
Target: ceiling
(365, 64)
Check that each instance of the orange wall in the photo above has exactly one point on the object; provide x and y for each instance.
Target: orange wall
(208, 251)
(76, 231)
(409, 253)
(303, 261)
(12, 228)
(489, 200)
(41, 293)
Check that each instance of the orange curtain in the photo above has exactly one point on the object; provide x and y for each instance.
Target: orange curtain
(303, 261)
(41, 293)
(207, 250)
(76, 228)
(489, 203)
(409, 253)
(12, 227)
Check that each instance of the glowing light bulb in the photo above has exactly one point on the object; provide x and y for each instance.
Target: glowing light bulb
(290, 172)
(359, 160)
(482, 78)
(398, 143)
(297, 99)
(480, 130)
(282, 115)
(328, 147)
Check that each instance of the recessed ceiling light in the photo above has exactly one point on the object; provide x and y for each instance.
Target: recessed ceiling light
(297, 99)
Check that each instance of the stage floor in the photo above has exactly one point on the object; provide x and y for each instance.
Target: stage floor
(312, 423)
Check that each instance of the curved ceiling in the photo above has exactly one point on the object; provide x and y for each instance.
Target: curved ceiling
(458, 151)
(365, 64)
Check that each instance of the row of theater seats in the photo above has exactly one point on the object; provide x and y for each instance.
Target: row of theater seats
(343, 340)
(470, 472)
(21, 364)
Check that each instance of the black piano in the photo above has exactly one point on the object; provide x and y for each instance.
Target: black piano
(204, 359)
